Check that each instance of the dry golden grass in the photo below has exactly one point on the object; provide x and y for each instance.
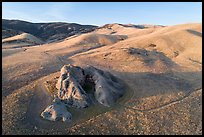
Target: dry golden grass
(161, 66)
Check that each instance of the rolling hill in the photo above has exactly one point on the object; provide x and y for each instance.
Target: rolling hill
(46, 31)
(161, 66)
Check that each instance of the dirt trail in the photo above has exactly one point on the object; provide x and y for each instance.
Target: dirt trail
(164, 105)
(40, 100)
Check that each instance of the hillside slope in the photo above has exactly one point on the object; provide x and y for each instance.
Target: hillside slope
(46, 31)
(161, 66)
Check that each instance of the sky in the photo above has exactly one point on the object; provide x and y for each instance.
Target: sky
(100, 13)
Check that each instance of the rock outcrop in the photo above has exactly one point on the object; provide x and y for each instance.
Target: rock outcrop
(107, 87)
(57, 111)
(69, 87)
(106, 90)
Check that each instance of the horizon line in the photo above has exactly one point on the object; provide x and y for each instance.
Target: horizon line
(100, 25)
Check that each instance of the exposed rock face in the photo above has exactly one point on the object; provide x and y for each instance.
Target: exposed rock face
(70, 87)
(57, 111)
(107, 89)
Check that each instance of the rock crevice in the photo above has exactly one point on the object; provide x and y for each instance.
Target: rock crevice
(78, 87)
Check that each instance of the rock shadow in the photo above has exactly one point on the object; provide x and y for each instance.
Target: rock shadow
(194, 32)
(146, 84)
(151, 57)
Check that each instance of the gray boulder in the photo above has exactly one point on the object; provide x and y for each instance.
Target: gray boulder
(57, 111)
(70, 88)
(71, 91)
(107, 87)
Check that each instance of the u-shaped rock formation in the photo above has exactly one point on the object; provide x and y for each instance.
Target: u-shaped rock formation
(106, 90)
